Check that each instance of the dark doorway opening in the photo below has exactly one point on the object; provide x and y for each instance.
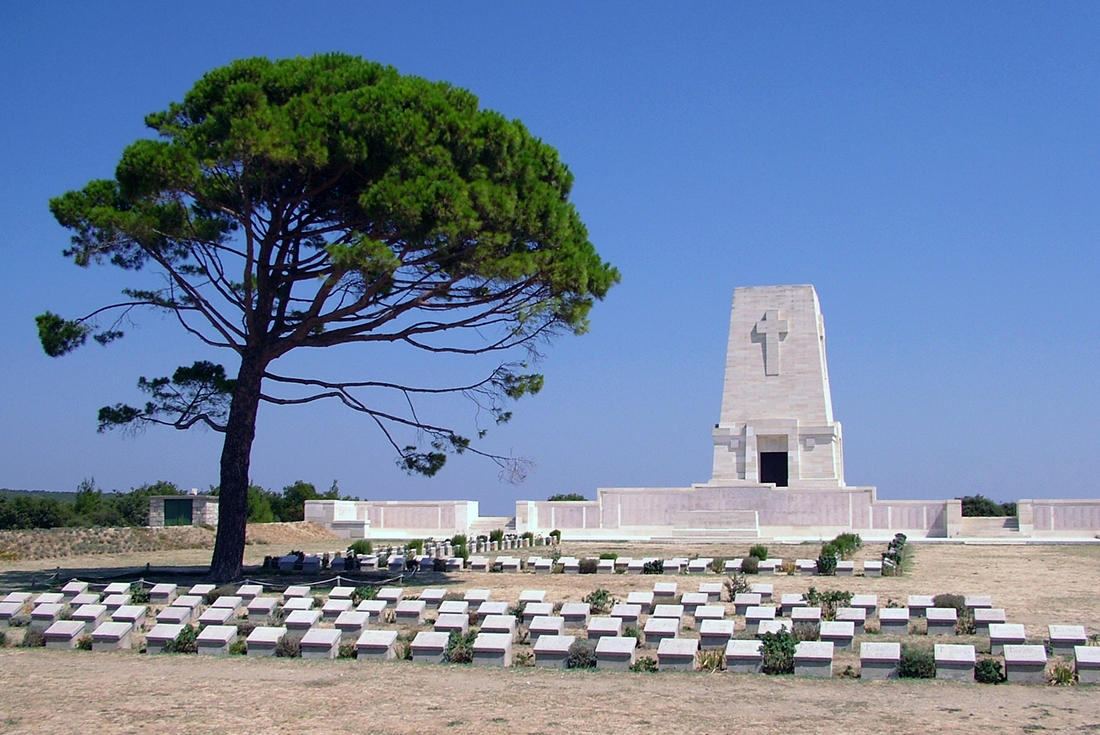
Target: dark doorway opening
(773, 468)
(177, 511)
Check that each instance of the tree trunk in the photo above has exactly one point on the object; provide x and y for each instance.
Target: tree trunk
(240, 431)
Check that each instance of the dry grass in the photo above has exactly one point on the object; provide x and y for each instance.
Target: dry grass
(56, 692)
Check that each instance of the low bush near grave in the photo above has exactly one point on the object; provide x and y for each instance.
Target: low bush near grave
(843, 545)
(735, 585)
(657, 566)
(363, 593)
(361, 546)
(829, 601)
(516, 610)
(988, 671)
(806, 631)
(523, 658)
(439, 564)
(778, 652)
(21, 620)
(711, 659)
(138, 594)
(1061, 674)
(608, 555)
(750, 565)
(894, 557)
(718, 565)
(186, 642)
(645, 665)
(497, 535)
(223, 591)
(965, 620)
(632, 632)
(589, 565)
(528, 536)
(244, 628)
(788, 567)
(460, 647)
(759, 551)
(33, 638)
(826, 565)
(916, 663)
(582, 655)
(84, 643)
(416, 546)
(238, 647)
(600, 600)
(288, 647)
(346, 650)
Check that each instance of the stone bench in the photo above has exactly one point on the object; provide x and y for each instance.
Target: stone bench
(630, 613)
(677, 654)
(744, 657)
(919, 604)
(493, 649)
(1086, 661)
(552, 651)
(790, 601)
(157, 639)
(351, 624)
(643, 599)
(1001, 634)
(64, 634)
(857, 616)
(954, 661)
(879, 660)
(894, 620)
(983, 616)
(576, 614)
(534, 610)
(546, 625)
(91, 616)
(1064, 638)
(454, 607)
(1025, 664)
(658, 629)
(604, 625)
(322, 643)
(262, 641)
(755, 615)
(160, 594)
(261, 608)
(839, 632)
(742, 601)
(410, 612)
(941, 620)
(814, 658)
(616, 653)
(381, 645)
(112, 637)
(715, 633)
(133, 614)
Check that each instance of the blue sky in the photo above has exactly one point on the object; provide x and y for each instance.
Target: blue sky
(931, 168)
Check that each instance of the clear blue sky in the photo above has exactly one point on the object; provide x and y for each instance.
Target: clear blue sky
(931, 168)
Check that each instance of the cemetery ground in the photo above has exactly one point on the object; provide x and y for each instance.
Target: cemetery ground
(70, 691)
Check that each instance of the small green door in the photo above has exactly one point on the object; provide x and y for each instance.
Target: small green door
(177, 511)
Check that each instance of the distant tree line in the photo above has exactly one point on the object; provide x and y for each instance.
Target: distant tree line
(90, 506)
(572, 497)
(979, 506)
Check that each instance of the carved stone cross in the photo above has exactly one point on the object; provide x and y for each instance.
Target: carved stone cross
(769, 329)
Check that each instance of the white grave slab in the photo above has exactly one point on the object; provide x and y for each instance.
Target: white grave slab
(814, 658)
(261, 608)
(601, 625)
(112, 637)
(174, 616)
(744, 657)
(615, 653)
(839, 633)
(157, 639)
(715, 633)
(215, 640)
(296, 590)
(381, 645)
(133, 614)
(552, 651)
(1063, 638)
(92, 616)
(64, 634)
(1087, 664)
(983, 616)
(954, 661)
(249, 591)
(334, 608)
(1025, 664)
(894, 620)
(164, 593)
(658, 629)
(629, 612)
(879, 660)
(263, 640)
(1001, 634)
(677, 654)
(352, 623)
(505, 624)
(941, 620)
(534, 610)
(433, 597)
(493, 649)
(322, 643)
(449, 622)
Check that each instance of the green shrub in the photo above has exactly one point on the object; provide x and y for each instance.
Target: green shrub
(288, 647)
(346, 650)
(361, 546)
(916, 663)
(460, 648)
(84, 643)
(657, 566)
(1062, 674)
(806, 631)
(33, 638)
(185, 642)
(138, 594)
(717, 565)
(364, 592)
(979, 506)
(778, 652)
(416, 546)
(459, 539)
(496, 535)
(528, 536)
(608, 555)
(632, 632)
(988, 671)
(568, 497)
(894, 557)
(759, 551)
(645, 664)
(600, 600)
(750, 565)
(826, 564)
(589, 566)
(829, 601)
(845, 544)
(735, 585)
(582, 655)
(238, 647)
(711, 659)
(556, 535)
(965, 618)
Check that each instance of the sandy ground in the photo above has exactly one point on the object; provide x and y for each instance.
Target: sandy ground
(61, 692)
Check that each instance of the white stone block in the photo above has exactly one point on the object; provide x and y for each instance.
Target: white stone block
(919, 604)
(191, 602)
(9, 610)
(742, 601)
(1001, 634)
(692, 600)
(64, 634)
(867, 603)
(229, 602)
(635, 566)
(773, 626)
(333, 608)
(300, 621)
(529, 596)
(657, 629)
(790, 601)
(381, 645)
(352, 623)
(805, 615)
(872, 569)
(249, 592)
(983, 616)
(217, 616)
(1064, 638)
(698, 566)
(954, 661)
(845, 568)
(575, 614)
(814, 658)
(839, 633)
(600, 626)
(709, 612)
(1025, 664)
(433, 597)
(74, 588)
(544, 566)
(300, 603)
(454, 607)
(452, 622)
(644, 599)
(546, 625)
(1087, 664)
(605, 566)
(174, 616)
(668, 611)
(493, 649)
(116, 588)
(490, 607)
(391, 595)
(22, 598)
(85, 598)
(534, 610)
(552, 651)
(164, 593)
(615, 653)
(879, 660)
(764, 589)
(505, 624)
(45, 614)
(664, 590)
(92, 616)
(296, 590)
(132, 614)
(805, 567)
(200, 590)
(114, 602)
(157, 639)
(732, 566)
(49, 598)
(477, 596)
(374, 608)
(630, 613)
(941, 620)
(323, 643)
(261, 608)
(857, 616)
(677, 654)
(974, 602)
(894, 620)
(713, 590)
(744, 657)
(262, 641)
(112, 637)
(754, 616)
(715, 633)
(570, 564)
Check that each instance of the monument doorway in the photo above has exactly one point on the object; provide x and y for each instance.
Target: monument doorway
(773, 468)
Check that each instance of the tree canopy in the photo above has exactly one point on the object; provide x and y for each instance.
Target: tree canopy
(322, 201)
